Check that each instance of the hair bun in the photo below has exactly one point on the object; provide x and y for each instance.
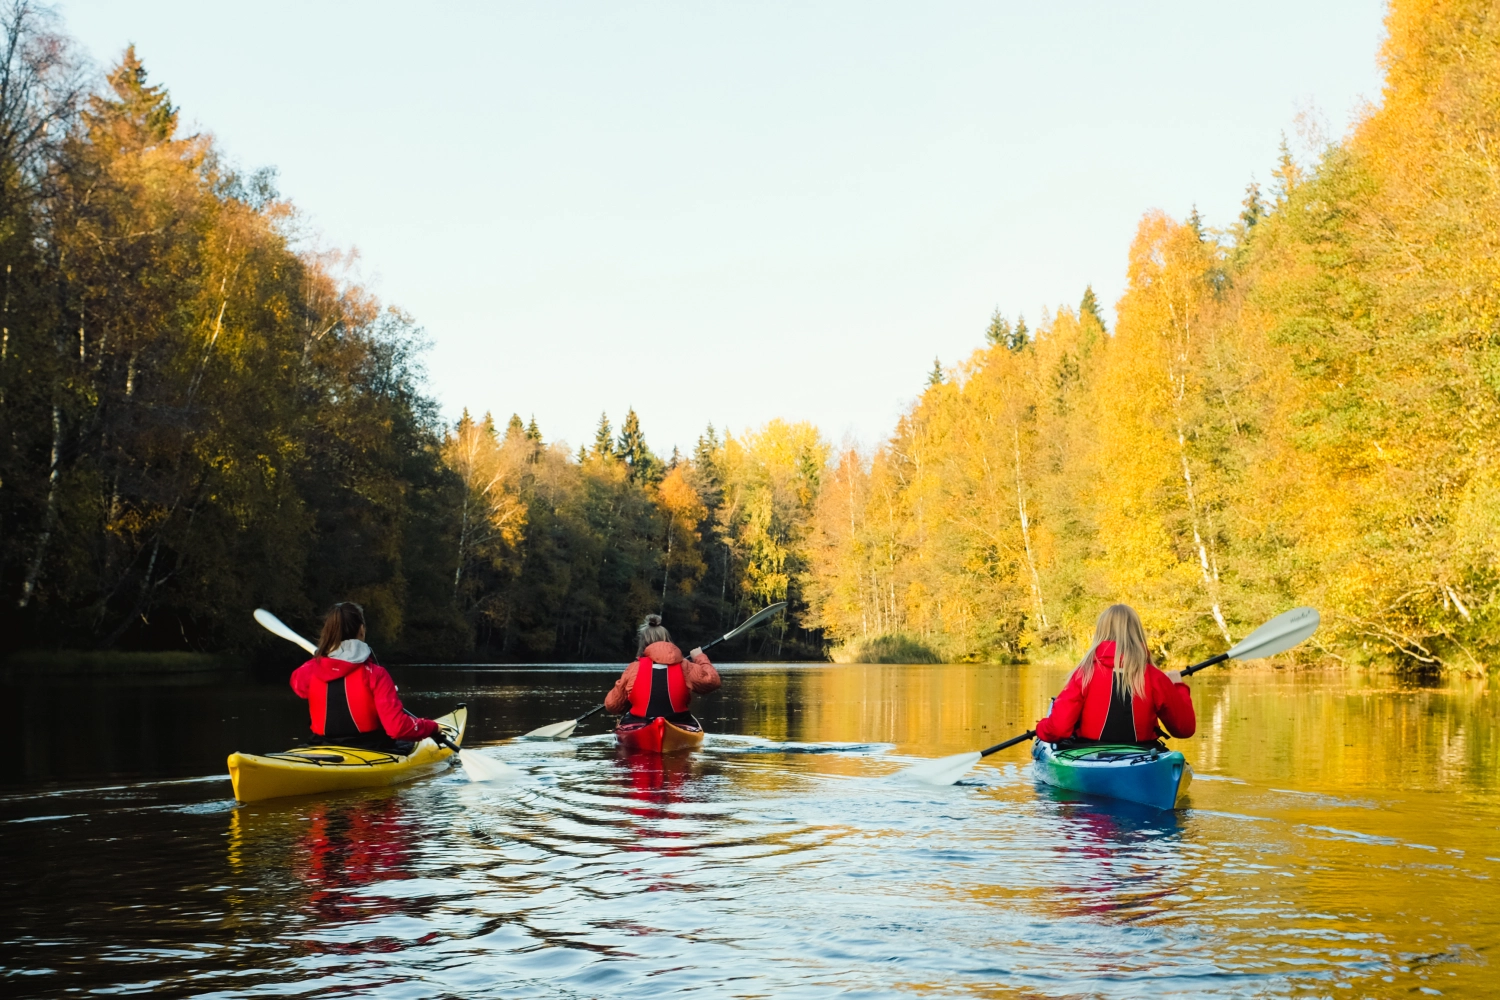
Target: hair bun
(652, 621)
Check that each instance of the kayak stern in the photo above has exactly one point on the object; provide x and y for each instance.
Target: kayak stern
(1156, 778)
(657, 736)
(317, 769)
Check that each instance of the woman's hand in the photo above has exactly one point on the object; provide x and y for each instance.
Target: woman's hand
(1175, 676)
(697, 652)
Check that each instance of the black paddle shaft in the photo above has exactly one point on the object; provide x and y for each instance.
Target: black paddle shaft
(1211, 661)
(1009, 743)
(758, 616)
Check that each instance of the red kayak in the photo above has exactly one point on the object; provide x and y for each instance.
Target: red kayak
(658, 736)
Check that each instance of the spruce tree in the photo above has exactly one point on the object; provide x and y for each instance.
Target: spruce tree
(604, 441)
(705, 468)
(644, 466)
(514, 429)
(935, 377)
(144, 112)
(1090, 307)
(999, 329)
(533, 432)
(1254, 209)
(1020, 337)
(1286, 173)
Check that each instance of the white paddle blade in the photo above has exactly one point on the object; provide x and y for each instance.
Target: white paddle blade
(273, 624)
(480, 768)
(556, 731)
(943, 771)
(754, 620)
(1277, 635)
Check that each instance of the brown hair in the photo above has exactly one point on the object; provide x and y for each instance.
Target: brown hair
(344, 621)
(651, 631)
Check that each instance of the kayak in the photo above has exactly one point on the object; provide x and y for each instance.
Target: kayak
(658, 736)
(1156, 778)
(315, 769)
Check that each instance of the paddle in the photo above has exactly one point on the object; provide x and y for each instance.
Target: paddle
(475, 768)
(562, 730)
(1275, 636)
(275, 625)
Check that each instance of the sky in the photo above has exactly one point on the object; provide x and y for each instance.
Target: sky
(732, 212)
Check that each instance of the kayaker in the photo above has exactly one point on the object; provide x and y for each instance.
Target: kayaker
(352, 700)
(659, 682)
(1116, 695)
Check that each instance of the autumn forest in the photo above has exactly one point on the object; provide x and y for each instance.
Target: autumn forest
(199, 417)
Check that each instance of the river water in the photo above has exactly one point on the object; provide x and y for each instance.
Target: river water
(1342, 840)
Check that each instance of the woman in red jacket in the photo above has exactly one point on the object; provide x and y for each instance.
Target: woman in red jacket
(1116, 695)
(351, 698)
(659, 682)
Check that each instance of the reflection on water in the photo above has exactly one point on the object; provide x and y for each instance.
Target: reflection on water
(1341, 841)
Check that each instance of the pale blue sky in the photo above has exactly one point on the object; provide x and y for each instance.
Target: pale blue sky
(735, 211)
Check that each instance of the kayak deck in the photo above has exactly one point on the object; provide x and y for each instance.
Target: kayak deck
(658, 736)
(1156, 778)
(314, 769)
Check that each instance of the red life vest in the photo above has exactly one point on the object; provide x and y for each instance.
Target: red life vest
(659, 689)
(344, 706)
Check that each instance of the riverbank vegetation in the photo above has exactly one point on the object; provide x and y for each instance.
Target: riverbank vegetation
(1299, 409)
(199, 415)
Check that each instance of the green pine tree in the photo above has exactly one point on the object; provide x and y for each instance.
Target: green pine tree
(999, 329)
(1020, 337)
(1286, 173)
(705, 469)
(644, 466)
(1253, 208)
(1089, 307)
(604, 440)
(142, 109)
(515, 429)
(935, 377)
(533, 432)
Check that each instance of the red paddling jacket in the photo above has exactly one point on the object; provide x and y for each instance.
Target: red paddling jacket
(349, 694)
(661, 683)
(1080, 712)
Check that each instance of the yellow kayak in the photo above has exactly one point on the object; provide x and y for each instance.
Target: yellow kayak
(310, 770)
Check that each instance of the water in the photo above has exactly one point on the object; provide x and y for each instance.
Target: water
(1343, 840)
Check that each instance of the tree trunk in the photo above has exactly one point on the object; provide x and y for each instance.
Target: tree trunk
(1209, 567)
(49, 521)
(1036, 580)
(666, 568)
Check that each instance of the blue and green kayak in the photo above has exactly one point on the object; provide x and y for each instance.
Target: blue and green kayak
(1156, 778)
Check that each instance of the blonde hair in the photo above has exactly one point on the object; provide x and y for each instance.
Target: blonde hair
(1119, 624)
(651, 631)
